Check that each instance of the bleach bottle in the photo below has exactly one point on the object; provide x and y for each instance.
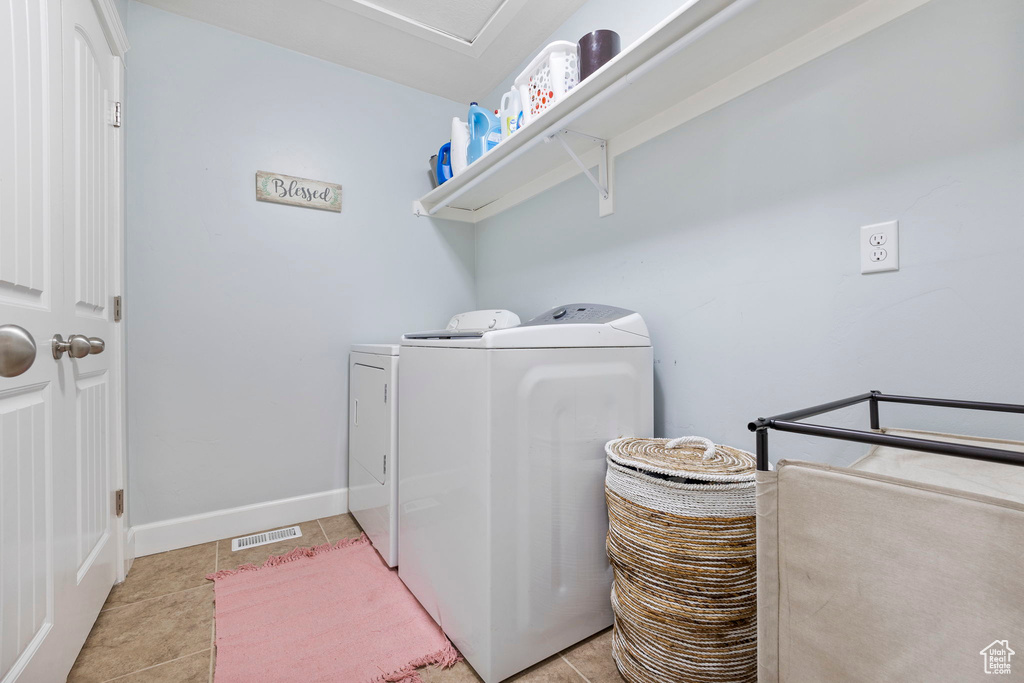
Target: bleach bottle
(484, 132)
(511, 113)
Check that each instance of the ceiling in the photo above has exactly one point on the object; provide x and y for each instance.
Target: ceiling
(457, 18)
(458, 49)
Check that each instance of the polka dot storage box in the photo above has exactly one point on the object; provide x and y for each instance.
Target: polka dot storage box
(681, 543)
(551, 74)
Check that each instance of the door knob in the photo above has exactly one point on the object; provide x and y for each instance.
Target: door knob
(77, 346)
(96, 345)
(17, 350)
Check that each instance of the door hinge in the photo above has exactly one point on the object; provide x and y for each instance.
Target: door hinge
(116, 118)
(117, 309)
(385, 393)
(385, 463)
(119, 502)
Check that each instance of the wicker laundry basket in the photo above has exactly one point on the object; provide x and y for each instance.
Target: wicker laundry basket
(681, 541)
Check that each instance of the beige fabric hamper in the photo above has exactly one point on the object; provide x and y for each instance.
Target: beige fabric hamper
(905, 566)
(681, 544)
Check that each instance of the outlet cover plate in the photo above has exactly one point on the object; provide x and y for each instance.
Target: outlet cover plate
(880, 247)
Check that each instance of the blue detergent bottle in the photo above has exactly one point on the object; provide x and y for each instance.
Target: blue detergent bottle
(443, 169)
(484, 132)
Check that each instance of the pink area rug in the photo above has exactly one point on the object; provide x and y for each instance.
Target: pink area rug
(328, 613)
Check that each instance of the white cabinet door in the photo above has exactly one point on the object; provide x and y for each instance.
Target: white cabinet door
(59, 257)
(369, 419)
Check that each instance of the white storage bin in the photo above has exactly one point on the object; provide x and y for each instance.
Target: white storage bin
(551, 74)
(903, 552)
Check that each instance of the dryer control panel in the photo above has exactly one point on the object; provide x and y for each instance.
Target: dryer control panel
(579, 314)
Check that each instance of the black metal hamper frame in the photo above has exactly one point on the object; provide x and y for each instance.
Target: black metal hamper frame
(787, 422)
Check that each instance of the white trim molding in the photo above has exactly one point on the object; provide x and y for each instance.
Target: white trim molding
(212, 526)
(129, 551)
(113, 26)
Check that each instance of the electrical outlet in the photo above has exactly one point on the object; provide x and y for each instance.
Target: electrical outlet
(874, 257)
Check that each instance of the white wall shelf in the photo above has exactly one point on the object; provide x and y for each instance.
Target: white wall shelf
(704, 55)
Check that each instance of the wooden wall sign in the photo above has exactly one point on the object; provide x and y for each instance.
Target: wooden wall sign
(286, 189)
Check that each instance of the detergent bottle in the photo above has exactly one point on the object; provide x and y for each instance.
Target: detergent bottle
(443, 166)
(484, 132)
(510, 113)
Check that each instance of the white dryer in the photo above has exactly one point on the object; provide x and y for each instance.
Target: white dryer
(502, 519)
(373, 444)
(373, 430)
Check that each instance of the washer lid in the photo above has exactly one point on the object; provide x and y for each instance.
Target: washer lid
(377, 349)
(471, 324)
(569, 326)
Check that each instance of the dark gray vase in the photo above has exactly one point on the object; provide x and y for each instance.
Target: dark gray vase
(596, 49)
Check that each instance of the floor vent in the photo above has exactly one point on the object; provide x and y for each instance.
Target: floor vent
(274, 536)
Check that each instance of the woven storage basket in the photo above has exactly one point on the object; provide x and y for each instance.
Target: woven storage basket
(681, 544)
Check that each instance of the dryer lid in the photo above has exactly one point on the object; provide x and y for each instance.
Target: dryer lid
(377, 349)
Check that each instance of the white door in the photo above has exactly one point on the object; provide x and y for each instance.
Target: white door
(59, 253)
(92, 247)
(31, 277)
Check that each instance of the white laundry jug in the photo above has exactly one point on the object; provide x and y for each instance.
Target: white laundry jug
(510, 113)
(460, 145)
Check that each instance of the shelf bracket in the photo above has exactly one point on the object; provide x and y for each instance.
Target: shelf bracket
(601, 182)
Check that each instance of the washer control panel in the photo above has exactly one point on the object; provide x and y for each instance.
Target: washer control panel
(579, 314)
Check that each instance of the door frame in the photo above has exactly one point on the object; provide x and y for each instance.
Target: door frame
(117, 40)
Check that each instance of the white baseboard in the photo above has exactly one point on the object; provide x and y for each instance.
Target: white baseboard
(129, 550)
(211, 526)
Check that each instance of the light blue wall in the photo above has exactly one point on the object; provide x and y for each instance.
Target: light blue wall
(240, 313)
(736, 235)
(122, 10)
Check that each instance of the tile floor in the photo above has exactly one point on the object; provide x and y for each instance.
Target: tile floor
(157, 626)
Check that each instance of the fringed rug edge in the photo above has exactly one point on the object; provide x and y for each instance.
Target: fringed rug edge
(297, 554)
(445, 658)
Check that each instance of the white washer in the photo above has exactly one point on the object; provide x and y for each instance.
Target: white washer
(373, 444)
(502, 519)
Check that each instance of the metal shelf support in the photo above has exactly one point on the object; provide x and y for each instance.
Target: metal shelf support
(601, 182)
